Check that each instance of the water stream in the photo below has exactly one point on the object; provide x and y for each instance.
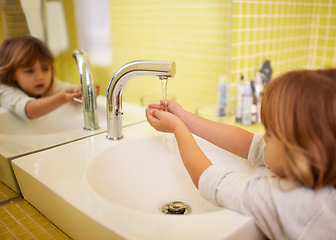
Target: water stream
(164, 81)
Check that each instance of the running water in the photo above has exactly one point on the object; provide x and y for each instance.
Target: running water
(164, 81)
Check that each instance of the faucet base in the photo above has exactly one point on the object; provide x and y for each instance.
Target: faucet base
(114, 138)
(91, 119)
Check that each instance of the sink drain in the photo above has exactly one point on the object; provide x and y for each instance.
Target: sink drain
(177, 207)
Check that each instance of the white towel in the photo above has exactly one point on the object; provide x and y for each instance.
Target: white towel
(57, 32)
(56, 27)
(32, 11)
(93, 30)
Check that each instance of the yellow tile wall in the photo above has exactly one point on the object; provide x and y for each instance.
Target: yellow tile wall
(292, 34)
(200, 36)
(194, 34)
(12, 17)
(323, 36)
(210, 38)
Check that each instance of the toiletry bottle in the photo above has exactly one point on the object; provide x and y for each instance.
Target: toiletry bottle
(259, 87)
(222, 96)
(266, 71)
(247, 105)
(240, 91)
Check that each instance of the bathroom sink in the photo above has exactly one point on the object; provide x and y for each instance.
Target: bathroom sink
(122, 173)
(97, 188)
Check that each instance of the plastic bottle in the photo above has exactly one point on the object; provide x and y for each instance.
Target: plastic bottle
(259, 92)
(247, 101)
(240, 92)
(259, 88)
(222, 96)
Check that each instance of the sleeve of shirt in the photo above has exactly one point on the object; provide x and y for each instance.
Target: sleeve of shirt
(256, 155)
(216, 183)
(225, 188)
(14, 100)
(243, 193)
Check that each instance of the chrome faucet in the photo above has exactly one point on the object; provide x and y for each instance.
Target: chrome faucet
(117, 83)
(89, 99)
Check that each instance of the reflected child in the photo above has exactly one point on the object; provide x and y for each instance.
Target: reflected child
(28, 87)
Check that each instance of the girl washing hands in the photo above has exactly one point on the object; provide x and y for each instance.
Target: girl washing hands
(27, 84)
(298, 112)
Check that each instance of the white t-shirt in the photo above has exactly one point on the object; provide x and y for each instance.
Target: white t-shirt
(279, 210)
(14, 99)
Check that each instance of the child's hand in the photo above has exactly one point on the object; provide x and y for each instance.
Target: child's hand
(162, 121)
(171, 106)
(72, 93)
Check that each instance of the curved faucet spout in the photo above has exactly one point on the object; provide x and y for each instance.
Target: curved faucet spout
(117, 83)
(88, 89)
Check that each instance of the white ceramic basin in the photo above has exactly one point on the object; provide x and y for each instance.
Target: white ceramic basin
(145, 173)
(96, 188)
(122, 173)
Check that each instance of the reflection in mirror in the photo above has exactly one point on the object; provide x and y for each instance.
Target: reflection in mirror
(93, 29)
(13, 20)
(13, 24)
(46, 21)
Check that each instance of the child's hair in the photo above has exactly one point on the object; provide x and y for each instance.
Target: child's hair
(299, 108)
(22, 51)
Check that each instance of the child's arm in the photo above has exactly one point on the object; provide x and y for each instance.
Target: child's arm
(228, 137)
(225, 136)
(192, 156)
(42, 106)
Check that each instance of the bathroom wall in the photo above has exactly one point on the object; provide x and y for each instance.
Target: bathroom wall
(323, 35)
(210, 38)
(292, 34)
(194, 34)
(66, 68)
(12, 18)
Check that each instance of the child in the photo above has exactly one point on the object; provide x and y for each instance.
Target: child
(299, 114)
(27, 84)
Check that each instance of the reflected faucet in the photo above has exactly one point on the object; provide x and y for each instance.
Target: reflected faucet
(89, 99)
(117, 83)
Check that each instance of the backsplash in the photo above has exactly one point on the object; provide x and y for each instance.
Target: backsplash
(204, 40)
(209, 39)
(194, 34)
(292, 34)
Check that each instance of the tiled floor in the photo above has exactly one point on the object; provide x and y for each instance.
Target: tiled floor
(6, 193)
(20, 220)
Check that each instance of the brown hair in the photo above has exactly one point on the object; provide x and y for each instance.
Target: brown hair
(22, 51)
(299, 108)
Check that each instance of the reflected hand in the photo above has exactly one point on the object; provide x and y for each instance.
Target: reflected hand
(72, 93)
(97, 89)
